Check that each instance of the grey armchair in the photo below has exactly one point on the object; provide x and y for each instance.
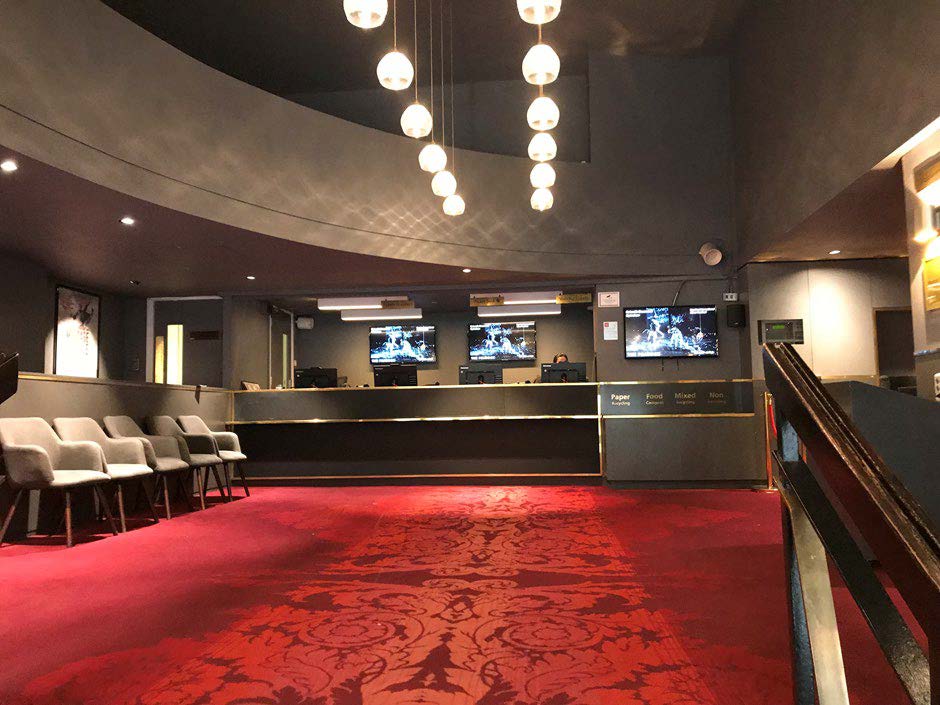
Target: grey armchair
(167, 455)
(229, 447)
(37, 459)
(199, 449)
(124, 458)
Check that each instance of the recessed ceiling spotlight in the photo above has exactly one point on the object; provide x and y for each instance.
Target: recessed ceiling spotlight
(250, 277)
(127, 220)
(835, 252)
(467, 270)
(9, 166)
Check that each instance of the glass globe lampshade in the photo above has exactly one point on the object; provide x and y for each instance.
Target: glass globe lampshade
(454, 205)
(542, 199)
(538, 11)
(542, 114)
(542, 175)
(541, 65)
(542, 147)
(416, 121)
(444, 184)
(432, 158)
(365, 14)
(395, 71)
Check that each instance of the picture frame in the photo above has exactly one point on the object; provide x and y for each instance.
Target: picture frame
(76, 342)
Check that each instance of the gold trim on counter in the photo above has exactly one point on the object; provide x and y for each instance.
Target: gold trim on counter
(424, 386)
(41, 377)
(679, 416)
(263, 422)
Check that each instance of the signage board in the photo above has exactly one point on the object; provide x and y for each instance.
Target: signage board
(718, 397)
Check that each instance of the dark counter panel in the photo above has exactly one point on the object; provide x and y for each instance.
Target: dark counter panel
(530, 447)
(418, 403)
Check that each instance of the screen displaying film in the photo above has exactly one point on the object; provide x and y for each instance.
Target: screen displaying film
(402, 345)
(506, 341)
(671, 331)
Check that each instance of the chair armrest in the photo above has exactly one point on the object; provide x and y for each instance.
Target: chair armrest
(167, 446)
(150, 455)
(227, 441)
(129, 451)
(201, 443)
(80, 455)
(27, 466)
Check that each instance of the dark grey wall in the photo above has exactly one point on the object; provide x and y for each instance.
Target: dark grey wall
(202, 359)
(733, 361)
(333, 343)
(245, 352)
(823, 91)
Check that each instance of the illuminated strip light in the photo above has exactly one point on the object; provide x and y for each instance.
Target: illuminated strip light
(523, 297)
(519, 310)
(356, 303)
(389, 314)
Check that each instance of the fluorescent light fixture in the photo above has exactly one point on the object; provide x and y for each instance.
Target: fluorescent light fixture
(523, 297)
(8, 166)
(925, 236)
(388, 314)
(835, 252)
(927, 181)
(356, 303)
(552, 309)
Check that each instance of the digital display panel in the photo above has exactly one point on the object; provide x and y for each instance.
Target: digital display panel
(402, 345)
(671, 331)
(504, 341)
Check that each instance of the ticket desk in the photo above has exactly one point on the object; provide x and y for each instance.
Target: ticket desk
(639, 432)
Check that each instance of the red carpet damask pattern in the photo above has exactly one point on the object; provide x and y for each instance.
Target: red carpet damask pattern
(398, 596)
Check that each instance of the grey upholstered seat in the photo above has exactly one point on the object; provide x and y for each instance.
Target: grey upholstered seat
(37, 459)
(200, 449)
(124, 458)
(167, 455)
(229, 447)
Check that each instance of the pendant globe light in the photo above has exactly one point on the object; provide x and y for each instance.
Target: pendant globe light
(542, 199)
(454, 205)
(395, 71)
(542, 114)
(541, 65)
(444, 184)
(542, 175)
(432, 159)
(538, 11)
(416, 121)
(542, 147)
(365, 14)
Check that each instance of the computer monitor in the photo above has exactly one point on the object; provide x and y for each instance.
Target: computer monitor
(481, 373)
(564, 372)
(318, 377)
(396, 375)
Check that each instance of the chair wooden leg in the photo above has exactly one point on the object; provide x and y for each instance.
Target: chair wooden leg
(9, 516)
(166, 495)
(201, 488)
(218, 481)
(187, 492)
(205, 480)
(153, 508)
(107, 508)
(226, 475)
(241, 474)
(120, 502)
(68, 519)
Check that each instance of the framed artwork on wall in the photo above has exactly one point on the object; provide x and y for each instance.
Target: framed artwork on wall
(78, 317)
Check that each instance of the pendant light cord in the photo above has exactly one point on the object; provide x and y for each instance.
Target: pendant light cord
(395, 25)
(431, 59)
(416, 49)
(443, 105)
(453, 105)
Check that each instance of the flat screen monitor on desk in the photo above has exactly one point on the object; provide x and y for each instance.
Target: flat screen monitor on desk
(564, 372)
(315, 377)
(481, 373)
(396, 375)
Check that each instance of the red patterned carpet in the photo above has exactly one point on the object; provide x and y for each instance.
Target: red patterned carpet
(401, 596)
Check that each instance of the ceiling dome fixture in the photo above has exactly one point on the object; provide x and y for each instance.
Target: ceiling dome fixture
(365, 14)
(538, 11)
(416, 121)
(444, 184)
(395, 71)
(542, 199)
(454, 205)
(432, 158)
(542, 114)
(541, 65)
(542, 175)
(542, 147)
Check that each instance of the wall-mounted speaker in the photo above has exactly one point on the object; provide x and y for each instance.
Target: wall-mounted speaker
(737, 316)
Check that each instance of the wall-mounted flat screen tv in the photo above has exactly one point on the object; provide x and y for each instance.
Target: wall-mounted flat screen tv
(671, 331)
(505, 341)
(402, 345)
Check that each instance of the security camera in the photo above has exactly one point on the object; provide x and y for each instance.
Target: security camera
(711, 253)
